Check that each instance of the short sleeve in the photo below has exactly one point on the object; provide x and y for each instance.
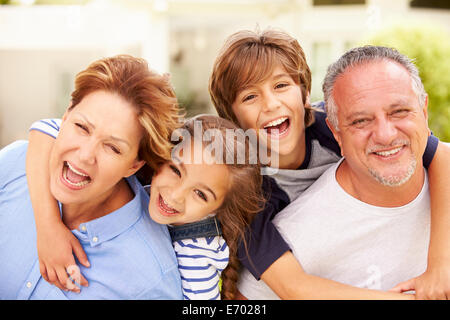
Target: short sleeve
(48, 126)
(200, 262)
(430, 150)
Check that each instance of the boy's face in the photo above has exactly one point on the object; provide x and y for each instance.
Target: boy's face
(275, 109)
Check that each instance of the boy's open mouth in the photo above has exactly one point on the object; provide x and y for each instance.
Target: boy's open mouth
(277, 127)
(74, 178)
(165, 208)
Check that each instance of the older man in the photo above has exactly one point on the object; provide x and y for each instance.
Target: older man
(366, 221)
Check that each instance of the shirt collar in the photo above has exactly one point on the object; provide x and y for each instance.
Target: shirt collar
(113, 224)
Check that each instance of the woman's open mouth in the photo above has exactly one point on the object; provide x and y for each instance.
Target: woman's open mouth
(165, 209)
(73, 178)
(277, 128)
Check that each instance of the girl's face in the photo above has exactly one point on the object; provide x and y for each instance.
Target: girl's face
(183, 192)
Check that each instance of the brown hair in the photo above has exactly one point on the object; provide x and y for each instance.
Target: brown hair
(249, 57)
(244, 198)
(150, 93)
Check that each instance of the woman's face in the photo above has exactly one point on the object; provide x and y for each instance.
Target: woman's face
(97, 146)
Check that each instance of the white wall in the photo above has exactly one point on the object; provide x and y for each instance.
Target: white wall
(43, 47)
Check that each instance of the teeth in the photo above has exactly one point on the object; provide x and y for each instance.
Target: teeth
(75, 184)
(79, 184)
(275, 122)
(77, 172)
(388, 153)
(168, 207)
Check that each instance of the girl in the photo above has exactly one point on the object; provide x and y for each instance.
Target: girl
(207, 204)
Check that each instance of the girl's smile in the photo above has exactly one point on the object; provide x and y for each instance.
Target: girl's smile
(165, 209)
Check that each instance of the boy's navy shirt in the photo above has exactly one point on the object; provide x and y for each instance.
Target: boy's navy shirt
(264, 244)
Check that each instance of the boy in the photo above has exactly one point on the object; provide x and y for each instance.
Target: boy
(261, 80)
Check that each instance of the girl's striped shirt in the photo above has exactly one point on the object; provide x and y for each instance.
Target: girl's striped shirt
(200, 262)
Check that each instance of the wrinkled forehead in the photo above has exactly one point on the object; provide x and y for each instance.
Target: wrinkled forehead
(108, 115)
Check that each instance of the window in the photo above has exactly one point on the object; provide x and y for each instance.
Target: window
(434, 4)
(337, 2)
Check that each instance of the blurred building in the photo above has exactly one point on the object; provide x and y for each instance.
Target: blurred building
(324, 28)
(42, 47)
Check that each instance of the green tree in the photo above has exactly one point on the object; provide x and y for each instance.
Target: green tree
(430, 49)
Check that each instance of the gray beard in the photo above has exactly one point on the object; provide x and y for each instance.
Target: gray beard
(395, 181)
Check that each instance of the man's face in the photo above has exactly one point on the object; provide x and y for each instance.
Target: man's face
(275, 109)
(382, 128)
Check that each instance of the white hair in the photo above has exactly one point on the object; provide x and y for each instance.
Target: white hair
(362, 55)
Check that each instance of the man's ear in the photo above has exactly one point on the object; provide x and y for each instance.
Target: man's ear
(336, 134)
(425, 113)
(425, 108)
(137, 164)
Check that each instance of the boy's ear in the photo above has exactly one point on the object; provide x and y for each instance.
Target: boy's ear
(336, 134)
(307, 101)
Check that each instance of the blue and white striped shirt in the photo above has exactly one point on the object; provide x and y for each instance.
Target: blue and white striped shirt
(200, 262)
(47, 126)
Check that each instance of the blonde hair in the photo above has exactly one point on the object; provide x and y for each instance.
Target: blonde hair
(150, 94)
(244, 198)
(249, 57)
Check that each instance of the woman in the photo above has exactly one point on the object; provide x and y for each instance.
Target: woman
(121, 117)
